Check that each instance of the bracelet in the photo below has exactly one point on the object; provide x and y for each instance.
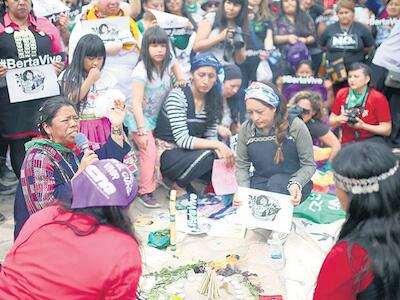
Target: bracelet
(294, 182)
(141, 133)
(117, 131)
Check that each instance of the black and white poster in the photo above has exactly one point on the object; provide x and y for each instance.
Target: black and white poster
(32, 79)
(261, 209)
(110, 29)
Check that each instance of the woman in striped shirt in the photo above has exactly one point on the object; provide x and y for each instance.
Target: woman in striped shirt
(186, 127)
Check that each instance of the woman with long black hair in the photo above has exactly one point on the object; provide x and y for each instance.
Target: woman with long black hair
(293, 26)
(81, 248)
(222, 33)
(187, 127)
(365, 262)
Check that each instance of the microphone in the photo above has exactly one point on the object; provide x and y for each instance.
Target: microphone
(82, 142)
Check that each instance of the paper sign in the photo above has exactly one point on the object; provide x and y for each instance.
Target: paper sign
(110, 29)
(223, 178)
(44, 8)
(168, 21)
(266, 210)
(32, 83)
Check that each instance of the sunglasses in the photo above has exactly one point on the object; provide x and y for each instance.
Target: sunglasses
(211, 5)
(304, 111)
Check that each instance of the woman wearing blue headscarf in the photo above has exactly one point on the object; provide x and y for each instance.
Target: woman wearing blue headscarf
(186, 129)
(279, 147)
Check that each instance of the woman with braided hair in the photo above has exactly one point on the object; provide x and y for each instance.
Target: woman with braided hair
(279, 147)
(365, 261)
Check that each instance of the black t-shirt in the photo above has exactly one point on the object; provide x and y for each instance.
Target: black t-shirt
(317, 128)
(349, 45)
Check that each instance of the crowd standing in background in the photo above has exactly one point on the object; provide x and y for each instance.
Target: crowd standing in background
(255, 82)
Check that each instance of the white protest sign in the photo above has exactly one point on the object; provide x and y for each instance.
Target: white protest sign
(32, 83)
(110, 29)
(44, 8)
(169, 21)
(266, 210)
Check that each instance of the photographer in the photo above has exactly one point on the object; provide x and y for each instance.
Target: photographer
(310, 108)
(222, 33)
(359, 110)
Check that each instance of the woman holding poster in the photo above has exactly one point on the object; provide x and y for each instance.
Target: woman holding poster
(279, 147)
(22, 37)
(123, 52)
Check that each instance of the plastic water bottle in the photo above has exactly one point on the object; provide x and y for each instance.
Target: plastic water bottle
(276, 252)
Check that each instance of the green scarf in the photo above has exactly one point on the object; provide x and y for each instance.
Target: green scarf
(355, 99)
(46, 142)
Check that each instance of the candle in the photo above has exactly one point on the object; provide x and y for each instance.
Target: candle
(172, 223)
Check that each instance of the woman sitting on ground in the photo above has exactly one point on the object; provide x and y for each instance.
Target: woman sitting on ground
(309, 107)
(82, 249)
(365, 262)
(186, 129)
(279, 147)
(51, 162)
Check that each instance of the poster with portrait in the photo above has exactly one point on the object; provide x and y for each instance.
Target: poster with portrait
(261, 209)
(32, 83)
(110, 29)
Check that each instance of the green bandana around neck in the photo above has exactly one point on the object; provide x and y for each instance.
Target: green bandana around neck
(46, 142)
(355, 99)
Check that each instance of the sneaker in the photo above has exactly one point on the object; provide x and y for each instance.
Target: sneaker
(7, 177)
(6, 190)
(148, 200)
(182, 202)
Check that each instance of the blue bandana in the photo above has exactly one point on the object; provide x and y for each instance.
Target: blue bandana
(262, 92)
(206, 59)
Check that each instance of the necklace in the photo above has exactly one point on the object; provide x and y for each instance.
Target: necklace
(25, 43)
(343, 29)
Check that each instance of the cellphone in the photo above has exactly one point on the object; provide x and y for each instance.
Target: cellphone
(273, 297)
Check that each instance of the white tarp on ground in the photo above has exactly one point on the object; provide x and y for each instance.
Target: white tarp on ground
(305, 249)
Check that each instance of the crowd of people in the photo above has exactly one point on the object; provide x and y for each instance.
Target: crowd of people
(257, 83)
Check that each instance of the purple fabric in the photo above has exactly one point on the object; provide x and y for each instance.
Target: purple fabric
(106, 182)
(289, 90)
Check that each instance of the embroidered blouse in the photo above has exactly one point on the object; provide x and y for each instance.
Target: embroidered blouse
(46, 175)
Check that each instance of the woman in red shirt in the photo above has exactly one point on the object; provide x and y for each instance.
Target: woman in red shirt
(365, 262)
(82, 250)
(359, 110)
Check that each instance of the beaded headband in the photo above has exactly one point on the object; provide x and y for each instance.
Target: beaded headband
(364, 185)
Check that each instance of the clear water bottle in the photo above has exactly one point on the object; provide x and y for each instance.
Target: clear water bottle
(276, 252)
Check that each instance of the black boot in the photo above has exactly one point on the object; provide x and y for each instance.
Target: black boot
(7, 177)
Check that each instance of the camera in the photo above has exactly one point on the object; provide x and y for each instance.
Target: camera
(234, 43)
(297, 111)
(352, 116)
(238, 40)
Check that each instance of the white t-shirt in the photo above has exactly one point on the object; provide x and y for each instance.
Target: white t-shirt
(155, 92)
